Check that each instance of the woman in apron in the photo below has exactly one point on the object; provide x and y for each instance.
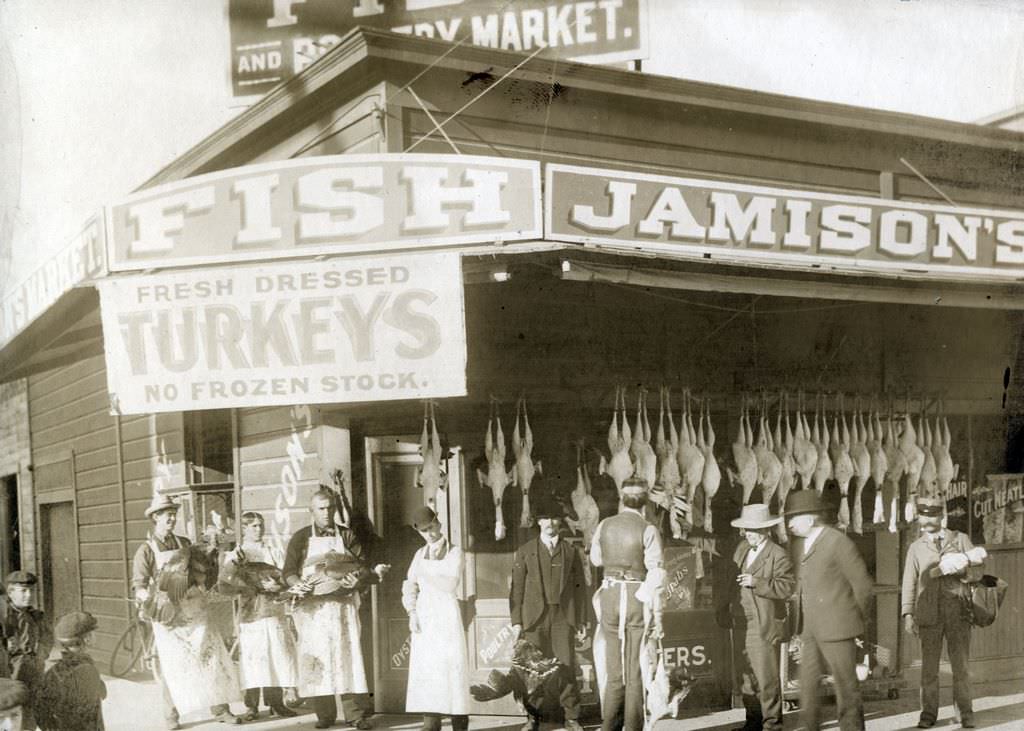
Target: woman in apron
(265, 637)
(438, 667)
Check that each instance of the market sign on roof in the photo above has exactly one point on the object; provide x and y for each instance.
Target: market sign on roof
(778, 227)
(331, 205)
(271, 40)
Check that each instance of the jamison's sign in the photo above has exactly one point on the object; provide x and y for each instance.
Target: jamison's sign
(340, 204)
(306, 332)
(779, 227)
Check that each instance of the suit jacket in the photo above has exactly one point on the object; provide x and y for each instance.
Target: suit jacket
(833, 588)
(774, 583)
(921, 590)
(526, 599)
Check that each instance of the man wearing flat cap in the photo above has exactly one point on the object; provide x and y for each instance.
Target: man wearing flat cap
(29, 637)
(832, 599)
(629, 605)
(548, 601)
(756, 605)
(937, 565)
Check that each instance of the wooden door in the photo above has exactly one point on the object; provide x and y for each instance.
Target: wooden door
(60, 579)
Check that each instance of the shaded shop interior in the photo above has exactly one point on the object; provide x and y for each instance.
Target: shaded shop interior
(562, 324)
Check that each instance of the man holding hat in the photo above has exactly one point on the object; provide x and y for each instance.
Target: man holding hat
(548, 601)
(29, 637)
(175, 675)
(833, 597)
(937, 565)
(628, 604)
(756, 602)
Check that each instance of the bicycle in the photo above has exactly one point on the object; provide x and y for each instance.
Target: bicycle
(135, 643)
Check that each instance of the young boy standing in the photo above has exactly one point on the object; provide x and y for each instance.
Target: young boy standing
(70, 697)
(29, 637)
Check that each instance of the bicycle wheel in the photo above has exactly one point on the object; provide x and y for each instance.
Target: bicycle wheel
(128, 650)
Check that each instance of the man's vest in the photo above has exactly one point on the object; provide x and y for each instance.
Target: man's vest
(622, 546)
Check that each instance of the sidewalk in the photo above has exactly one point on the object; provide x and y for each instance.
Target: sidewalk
(135, 706)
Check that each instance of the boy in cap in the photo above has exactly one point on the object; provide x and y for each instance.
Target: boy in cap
(937, 564)
(29, 637)
(70, 697)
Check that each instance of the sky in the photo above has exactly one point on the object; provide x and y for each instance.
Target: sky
(96, 97)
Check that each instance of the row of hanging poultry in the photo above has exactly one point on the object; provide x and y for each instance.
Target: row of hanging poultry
(799, 451)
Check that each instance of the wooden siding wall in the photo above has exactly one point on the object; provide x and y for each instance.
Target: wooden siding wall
(1004, 638)
(69, 412)
(16, 459)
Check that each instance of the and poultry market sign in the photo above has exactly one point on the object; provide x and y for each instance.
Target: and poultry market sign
(330, 205)
(310, 332)
(271, 40)
(703, 219)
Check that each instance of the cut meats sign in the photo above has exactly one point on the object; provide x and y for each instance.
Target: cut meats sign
(337, 204)
(272, 40)
(286, 333)
(778, 227)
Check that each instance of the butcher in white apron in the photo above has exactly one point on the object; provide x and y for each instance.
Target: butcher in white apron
(192, 665)
(438, 667)
(329, 649)
(266, 641)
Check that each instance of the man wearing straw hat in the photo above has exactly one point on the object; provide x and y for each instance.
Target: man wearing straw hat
(937, 563)
(833, 595)
(756, 604)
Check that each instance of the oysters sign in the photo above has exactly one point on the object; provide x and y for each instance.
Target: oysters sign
(347, 330)
(338, 204)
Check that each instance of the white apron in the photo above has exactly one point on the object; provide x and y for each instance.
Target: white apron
(330, 654)
(267, 646)
(194, 662)
(438, 666)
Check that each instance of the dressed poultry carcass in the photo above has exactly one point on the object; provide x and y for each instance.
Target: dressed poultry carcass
(496, 477)
(189, 570)
(897, 468)
(430, 477)
(743, 454)
(587, 512)
(645, 463)
(784, 451)
(619, 466)
(665, 449)
(805, 454)
(691, 463)
(842, 462)
(860, 461)
(945, 471)
(525, 468)
(769, 468)
(712, 476)
(821, 440)
(879, 463)
(911, 444)
(928, 487)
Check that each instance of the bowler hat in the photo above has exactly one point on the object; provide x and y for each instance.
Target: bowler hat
(74, 626)
(545, 506)
(801, 502)
(160, 503)
(755, 517)
(422, 517)
(931, 506)
(25, 578)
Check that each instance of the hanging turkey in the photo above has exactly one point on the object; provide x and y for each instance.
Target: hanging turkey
(743, 453)
(587, 512)
(495, 477)
(945, 471)
(897, 468)
(860, 459)
(784, 451)
(430, 476)
(805, 454)
(524, 468)
(842, 461)
(619, 466)
(712, 476)
(665, 449)
(911, 444)
(640, 449)
(690, 459)
(769, 467)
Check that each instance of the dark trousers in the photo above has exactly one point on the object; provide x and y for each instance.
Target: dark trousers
(170, 712)
(958, 643)
(757, 663)
(273, 697)
(840, 659)
(29, 670)
(555, 637)
(432, 722)
(354, 705)
(622, 707)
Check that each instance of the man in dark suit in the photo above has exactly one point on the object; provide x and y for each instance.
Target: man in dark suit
(548, 602)
(833, 596)
(755, 606)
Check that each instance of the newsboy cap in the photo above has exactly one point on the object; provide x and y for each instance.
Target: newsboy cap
(25, 578)
(74, 626)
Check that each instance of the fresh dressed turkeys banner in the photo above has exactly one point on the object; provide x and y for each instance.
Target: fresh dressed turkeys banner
(703, 219)
(272, 40)
(307, 332)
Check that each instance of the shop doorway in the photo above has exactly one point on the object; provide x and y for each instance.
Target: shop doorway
(59, 543)
(10, 538)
